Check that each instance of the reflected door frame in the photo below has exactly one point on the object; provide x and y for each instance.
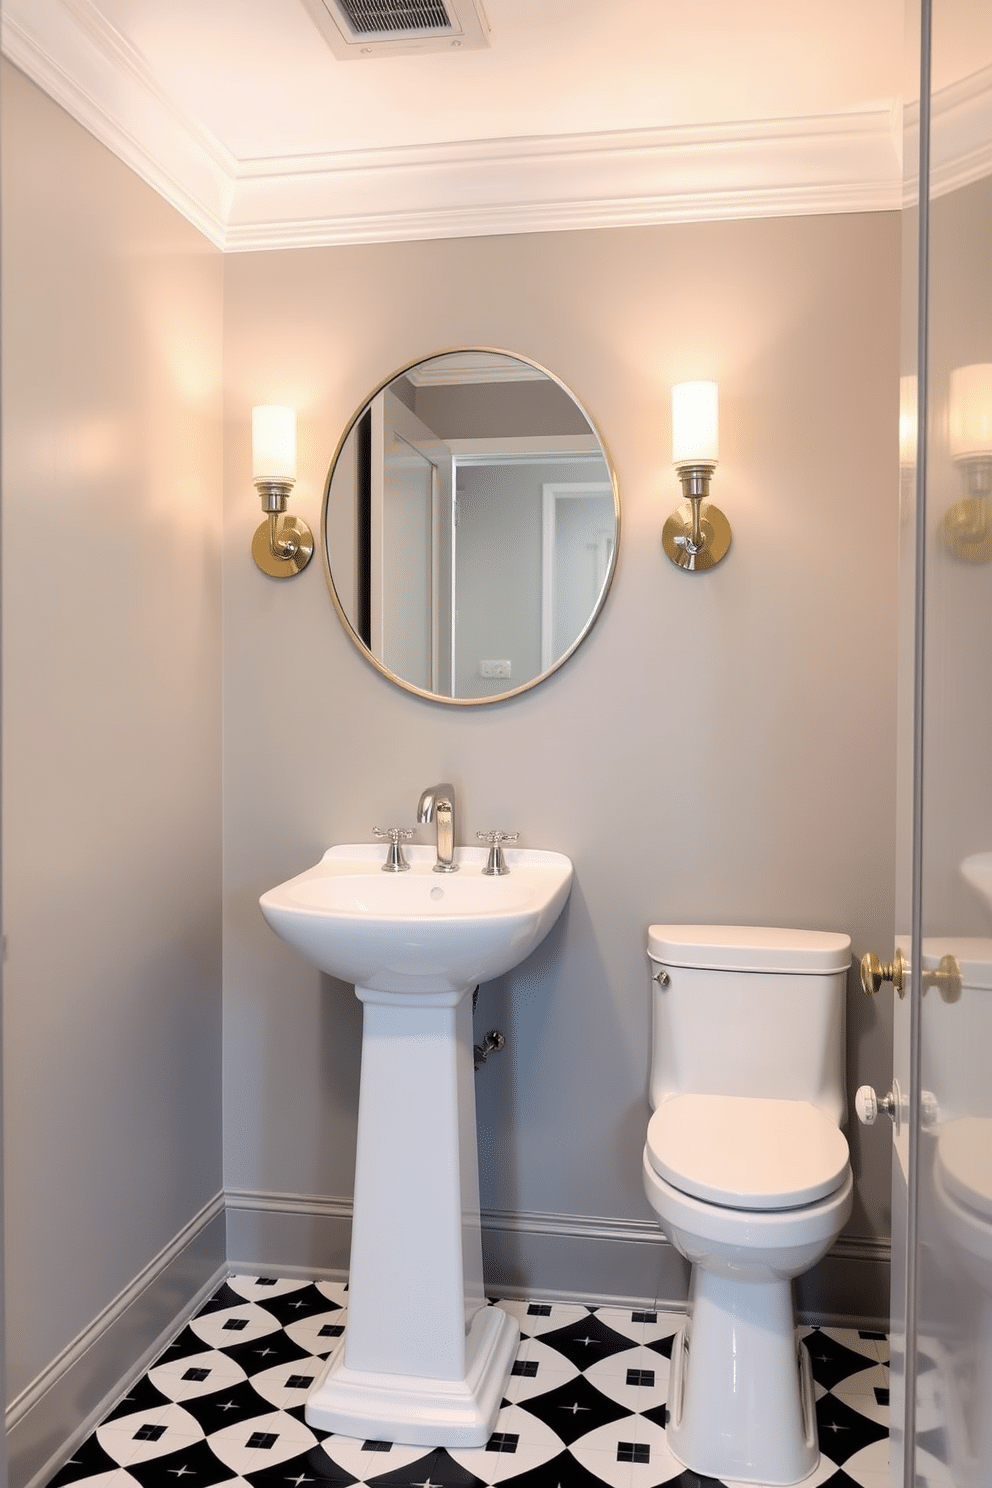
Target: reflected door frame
(551, 493)
(392, 423)
(577, 449)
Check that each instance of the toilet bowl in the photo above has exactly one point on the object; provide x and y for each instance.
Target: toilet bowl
(749, 1174)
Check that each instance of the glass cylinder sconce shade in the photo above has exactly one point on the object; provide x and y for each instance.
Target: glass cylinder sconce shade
(697, 534)
(273, 444)
(970, 409)
(695, 424)
(282, 546)
(908, 421)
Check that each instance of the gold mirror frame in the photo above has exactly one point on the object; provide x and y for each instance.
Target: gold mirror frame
(539, 371)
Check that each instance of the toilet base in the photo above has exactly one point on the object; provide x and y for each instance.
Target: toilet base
(741, 1400)
(417, 1410)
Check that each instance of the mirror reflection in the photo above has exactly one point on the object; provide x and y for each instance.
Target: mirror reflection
(470, 526)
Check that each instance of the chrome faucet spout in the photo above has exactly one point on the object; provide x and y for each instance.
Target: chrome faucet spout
(437, 804)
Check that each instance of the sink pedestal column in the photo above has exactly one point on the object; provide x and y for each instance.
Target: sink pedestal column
(423, 1360)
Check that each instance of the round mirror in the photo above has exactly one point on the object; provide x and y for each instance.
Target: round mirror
(470, 526)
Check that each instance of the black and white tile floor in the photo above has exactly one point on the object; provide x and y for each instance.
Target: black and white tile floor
(585, 1405)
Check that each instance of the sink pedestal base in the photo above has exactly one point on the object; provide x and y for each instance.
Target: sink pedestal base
(424, 1360)
(421, 1412)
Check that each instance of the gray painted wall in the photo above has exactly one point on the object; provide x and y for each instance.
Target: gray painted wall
(111, 702)
(702, 757)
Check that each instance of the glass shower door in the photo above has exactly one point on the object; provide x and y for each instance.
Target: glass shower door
(942, 1181)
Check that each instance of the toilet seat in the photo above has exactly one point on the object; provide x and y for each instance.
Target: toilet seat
(747, 1152)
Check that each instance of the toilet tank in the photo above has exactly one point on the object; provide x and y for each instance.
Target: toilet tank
(748, 1011)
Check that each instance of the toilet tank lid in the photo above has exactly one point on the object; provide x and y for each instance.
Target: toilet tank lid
(750, 948)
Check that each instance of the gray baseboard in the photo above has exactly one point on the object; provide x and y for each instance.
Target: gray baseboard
(59, 1409)
(554, 1256)
(580, 1258)
(288, 1234)
(849, 1286)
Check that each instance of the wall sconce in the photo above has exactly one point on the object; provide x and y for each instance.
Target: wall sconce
(967, 525)
(908, 422)
(283, 547)
(697, 534)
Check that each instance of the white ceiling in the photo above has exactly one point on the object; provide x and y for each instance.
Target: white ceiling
(581, 113)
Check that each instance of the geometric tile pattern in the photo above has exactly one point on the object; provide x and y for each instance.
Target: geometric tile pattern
(584, 1406)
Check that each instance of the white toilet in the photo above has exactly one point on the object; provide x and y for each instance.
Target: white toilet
(749, 1174)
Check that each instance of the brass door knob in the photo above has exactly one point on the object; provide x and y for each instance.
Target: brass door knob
(946, 977)
(874, 972)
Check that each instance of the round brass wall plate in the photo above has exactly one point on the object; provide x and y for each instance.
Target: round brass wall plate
(967, 530)
(283, 568)
(712, 524)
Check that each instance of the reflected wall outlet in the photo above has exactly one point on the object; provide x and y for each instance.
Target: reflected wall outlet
(494, 668)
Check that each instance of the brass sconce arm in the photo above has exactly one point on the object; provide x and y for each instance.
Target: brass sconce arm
(286, 539)
(697, 534)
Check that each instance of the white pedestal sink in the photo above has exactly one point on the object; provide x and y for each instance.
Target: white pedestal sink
(424, 1360)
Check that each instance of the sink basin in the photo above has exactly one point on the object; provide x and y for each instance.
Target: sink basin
(418, 931)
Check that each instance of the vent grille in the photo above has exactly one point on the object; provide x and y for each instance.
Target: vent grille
(393, 28)
(371, 18)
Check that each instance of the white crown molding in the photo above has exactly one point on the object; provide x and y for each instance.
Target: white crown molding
(767, 168)
(75, 56)
(844, 163)
(960, 137)
(961, 133)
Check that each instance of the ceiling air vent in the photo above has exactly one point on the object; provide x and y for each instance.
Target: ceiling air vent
(384, 28)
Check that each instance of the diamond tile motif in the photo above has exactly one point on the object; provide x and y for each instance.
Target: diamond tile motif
(586, 1342)
(574, 1409)
(586, 1405)
(237, 1403)
(194, 1465)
